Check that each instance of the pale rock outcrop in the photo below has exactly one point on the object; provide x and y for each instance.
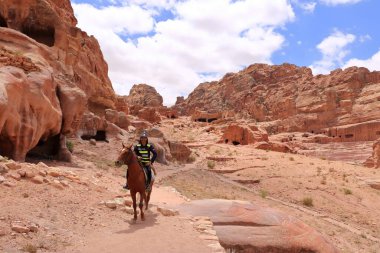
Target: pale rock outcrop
(245, 227)
(240, 134)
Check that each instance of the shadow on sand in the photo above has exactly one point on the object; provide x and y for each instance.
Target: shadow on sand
(150, 221)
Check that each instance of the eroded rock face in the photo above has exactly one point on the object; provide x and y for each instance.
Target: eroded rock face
(376, 153)
(145, 96)
(374, 160)
(244, 227)
(51, 73)
(243, 134)
(149, 114)
(179, 151)
(274, 146)
(343, 105)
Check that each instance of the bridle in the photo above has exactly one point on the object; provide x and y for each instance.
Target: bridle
(127, 158)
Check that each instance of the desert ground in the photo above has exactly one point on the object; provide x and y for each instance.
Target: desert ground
(90, 212)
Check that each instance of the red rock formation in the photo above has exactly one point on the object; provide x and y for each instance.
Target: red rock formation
(290, 99)
(245, 227)
(204, 116)
(179, 151)
(374, 160)
(243, 135)
(146, 103)
(51, 72)
(149, 114)
(169, 113)
(274, 146)
(144, 95)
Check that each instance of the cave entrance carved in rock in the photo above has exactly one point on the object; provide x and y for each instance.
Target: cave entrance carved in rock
(100, 136)
(44, 35)
(45, 149)
(3, 22)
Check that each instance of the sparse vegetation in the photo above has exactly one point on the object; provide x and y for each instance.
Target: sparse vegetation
(70, 146)
(210, 164)
(307, 201)
(323, 158)
(191, 158)
(291, 159)
(347, 191)
(30, 248)
(3, 159)
(263, 193)
(264, 158)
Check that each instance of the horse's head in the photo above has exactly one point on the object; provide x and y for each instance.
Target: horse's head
(125, 155)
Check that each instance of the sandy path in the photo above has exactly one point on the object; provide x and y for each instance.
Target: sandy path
(156, 234)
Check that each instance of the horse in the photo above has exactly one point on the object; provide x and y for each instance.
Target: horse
(136, 179)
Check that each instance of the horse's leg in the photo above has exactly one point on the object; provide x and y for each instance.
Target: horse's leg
(141, 205)
(133, 195)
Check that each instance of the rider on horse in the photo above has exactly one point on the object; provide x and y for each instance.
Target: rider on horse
(143, 151)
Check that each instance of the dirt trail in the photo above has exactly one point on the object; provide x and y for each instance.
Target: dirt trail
(156, 234)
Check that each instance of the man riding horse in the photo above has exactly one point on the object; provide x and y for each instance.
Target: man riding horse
(143, 151)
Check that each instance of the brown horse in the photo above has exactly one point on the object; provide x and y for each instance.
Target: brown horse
(136, 178)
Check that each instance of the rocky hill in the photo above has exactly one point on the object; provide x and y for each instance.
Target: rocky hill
(51, 72)
(343, 105)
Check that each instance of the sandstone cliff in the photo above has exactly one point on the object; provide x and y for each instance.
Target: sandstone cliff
(344, 105)
(51, 73)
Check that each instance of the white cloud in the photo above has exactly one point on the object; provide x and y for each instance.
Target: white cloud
(333, 49)
(338, 2)
(205, 40)
(121, 20)
(364, 38)
(308, 6)
(372, 63)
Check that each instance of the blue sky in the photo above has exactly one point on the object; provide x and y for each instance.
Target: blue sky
(175, 45)
(360, 19)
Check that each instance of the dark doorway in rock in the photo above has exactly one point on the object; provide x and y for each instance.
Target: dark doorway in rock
(236, 143)
(100, 136)
(45, 149)
(349, 136)
(3, 22)
(44, 35)
(211, 120)
(6, 147)
(201, 120)
(226, 141)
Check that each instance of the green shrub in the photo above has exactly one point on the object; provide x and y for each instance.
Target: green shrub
(347, 191)
(70, 146)
(210, 164)
(191, 158)
(307, 201)
(263, 193)
(29, 248)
